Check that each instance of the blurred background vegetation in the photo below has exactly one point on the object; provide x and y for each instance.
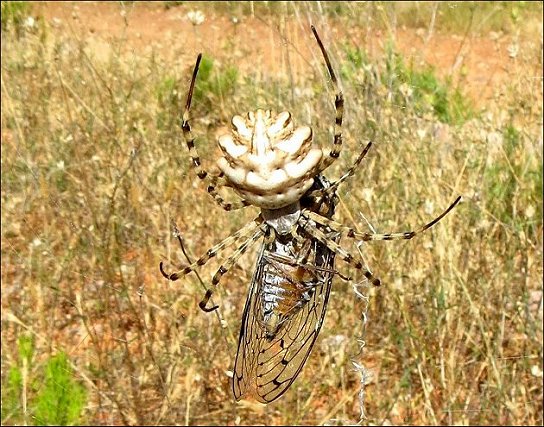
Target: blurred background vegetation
(94, 172)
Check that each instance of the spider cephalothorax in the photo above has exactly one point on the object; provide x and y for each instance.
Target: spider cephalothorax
(268, 161)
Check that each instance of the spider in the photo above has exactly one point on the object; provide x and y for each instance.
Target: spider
(276, 167)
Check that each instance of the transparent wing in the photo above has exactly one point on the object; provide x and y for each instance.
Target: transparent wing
(266, 366)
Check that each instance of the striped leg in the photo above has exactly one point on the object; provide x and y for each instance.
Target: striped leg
(190, 141)
(335, 226)
(244, 231)
(233, 258)
(335, 247)
(319, 194)
(339, 107)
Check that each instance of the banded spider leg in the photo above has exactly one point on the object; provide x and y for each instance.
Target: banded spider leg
(254, 229)
(318, 195)
(213, 181)
(316, 233)
(339, 107)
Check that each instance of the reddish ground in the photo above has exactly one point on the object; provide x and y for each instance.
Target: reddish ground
(483, 62)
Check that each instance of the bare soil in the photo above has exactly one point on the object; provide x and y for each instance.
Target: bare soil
(480, 63)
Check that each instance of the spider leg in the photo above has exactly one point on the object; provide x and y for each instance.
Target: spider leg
(339, 107)
(244, 231)
(313, 231)
(319, 194)
(350, 232)
(232, 259)
(190, 141)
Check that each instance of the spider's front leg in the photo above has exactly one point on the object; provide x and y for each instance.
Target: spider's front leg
(212, 181)
(339, 107)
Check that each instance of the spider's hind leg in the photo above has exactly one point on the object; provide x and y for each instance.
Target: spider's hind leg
(350, 232)
(212, 252)
(224, 268)
(317, 234)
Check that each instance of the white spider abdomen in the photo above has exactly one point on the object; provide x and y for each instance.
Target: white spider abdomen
(266, 161)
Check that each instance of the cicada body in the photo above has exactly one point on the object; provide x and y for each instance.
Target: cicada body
(285, 308)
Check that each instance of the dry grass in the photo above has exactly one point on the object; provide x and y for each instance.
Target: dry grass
(94, 170)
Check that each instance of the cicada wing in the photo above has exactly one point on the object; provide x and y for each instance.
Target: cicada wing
(265, 367)
(250, 337)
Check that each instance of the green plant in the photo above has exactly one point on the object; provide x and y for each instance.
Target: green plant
(13, 390)
(51, 397)
(13, 14)
(213, 85)
(417, 89)
(167, 101)
(356, 58)
(513, 183)
(60, 399)
(422, 88)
